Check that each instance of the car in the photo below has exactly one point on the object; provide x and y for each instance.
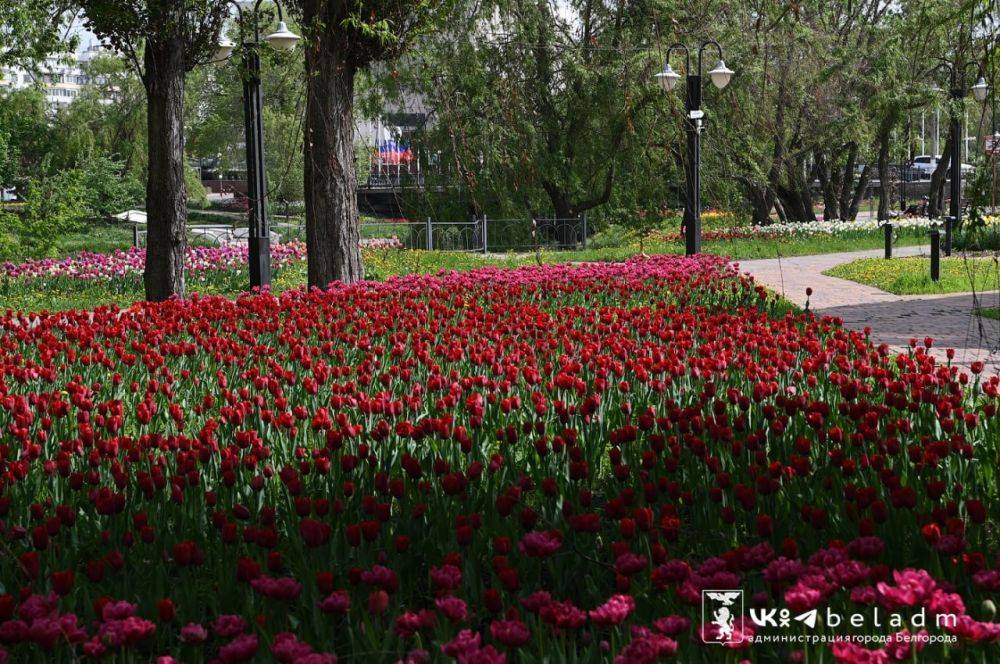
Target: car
(923, 165)
(8, 195)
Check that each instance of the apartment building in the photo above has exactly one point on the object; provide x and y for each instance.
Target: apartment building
(61, 77)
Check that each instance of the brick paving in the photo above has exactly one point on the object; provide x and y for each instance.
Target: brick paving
(893, 319)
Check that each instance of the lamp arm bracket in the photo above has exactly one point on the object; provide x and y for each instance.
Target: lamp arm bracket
(677, 46)
(701, 51)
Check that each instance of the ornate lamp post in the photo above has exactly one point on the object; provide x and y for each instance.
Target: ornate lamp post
(259, 235)
(667, 80)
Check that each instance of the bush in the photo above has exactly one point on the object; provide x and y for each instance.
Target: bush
(53, 207)
(196, 193)
(106, 189)
(978, 238)
(615, 235)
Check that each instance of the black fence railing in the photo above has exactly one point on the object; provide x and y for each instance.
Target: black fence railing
(483, 234)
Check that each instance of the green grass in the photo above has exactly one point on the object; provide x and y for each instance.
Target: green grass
(100, 237)
(992, 312)
(911, 276)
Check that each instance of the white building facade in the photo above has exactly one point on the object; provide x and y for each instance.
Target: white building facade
(61, 77)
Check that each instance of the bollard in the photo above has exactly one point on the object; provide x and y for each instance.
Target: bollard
(949, 223)
(935, 255)
(887, 230)
(430, 235)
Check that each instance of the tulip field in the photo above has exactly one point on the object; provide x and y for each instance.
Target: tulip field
(541, 464)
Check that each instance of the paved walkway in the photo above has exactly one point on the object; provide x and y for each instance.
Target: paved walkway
(894, 319)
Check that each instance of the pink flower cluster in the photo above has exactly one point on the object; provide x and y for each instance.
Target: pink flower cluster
(91, 266)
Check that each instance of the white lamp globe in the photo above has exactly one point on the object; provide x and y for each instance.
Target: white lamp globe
(282, 39)
(721, 74)
(667, 79)
(980, 89)
(223, 50)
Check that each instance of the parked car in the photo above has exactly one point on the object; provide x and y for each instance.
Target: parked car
(8, 195)
(923, 165)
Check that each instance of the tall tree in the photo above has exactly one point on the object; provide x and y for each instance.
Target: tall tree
(343, 39)
(545, 108)
(164, 39)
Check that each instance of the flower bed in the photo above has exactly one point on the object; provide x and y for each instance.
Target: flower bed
(833, 228)
(94, 266)
(538, 463)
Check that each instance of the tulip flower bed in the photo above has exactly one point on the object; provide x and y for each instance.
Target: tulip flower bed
(904, 227)
(541, 464)
(89, 279)
(89, 266)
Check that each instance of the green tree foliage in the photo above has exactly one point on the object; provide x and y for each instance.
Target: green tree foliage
(107, 187)
(30, 143)
(546, 108)
(821, 92)
(528, 105)
(32, 29)
(214, 117)
(196, 193)
(112, 111)
(51, 209)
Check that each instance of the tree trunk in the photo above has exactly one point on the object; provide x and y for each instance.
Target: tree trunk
(332, 224)
(562, 230)
(831, 209)
(935, 197)
(166, 193)
(761, 201)
(846, 182)
(859, 194)
(794, 193)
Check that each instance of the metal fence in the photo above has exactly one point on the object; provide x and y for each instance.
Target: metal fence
(483, 234)
(480, 235)
(223, 234)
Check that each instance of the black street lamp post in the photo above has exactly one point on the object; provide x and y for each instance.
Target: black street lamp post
(667, 79)
(958, 91)
(259, 232)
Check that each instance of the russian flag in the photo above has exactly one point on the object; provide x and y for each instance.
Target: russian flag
(394, 153)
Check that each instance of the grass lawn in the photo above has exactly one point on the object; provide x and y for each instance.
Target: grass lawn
(911, 276)
(992, 312)
(99, 237)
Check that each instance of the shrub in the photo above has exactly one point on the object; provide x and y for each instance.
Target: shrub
(107, 190)
(196, 192)
(53, 207)
(615, 235)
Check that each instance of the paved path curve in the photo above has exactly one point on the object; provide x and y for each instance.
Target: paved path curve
(894, 319)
